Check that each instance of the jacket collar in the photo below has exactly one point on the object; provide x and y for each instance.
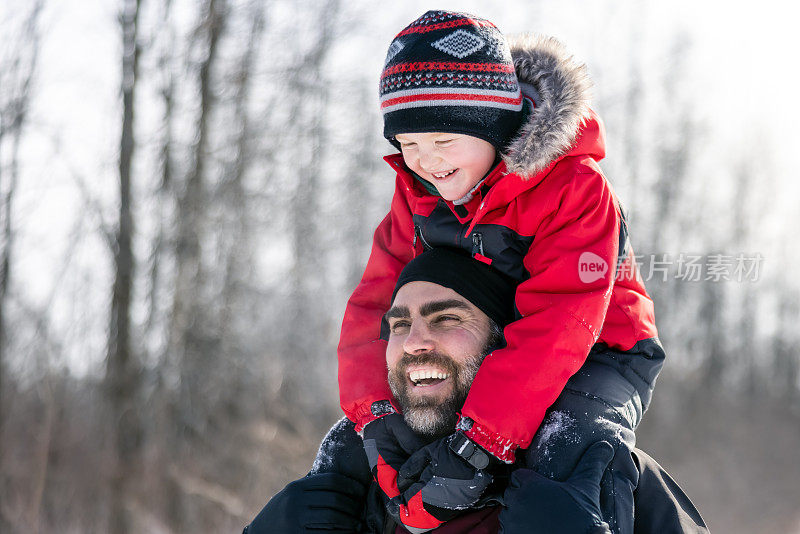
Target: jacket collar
(502, 186)
(499, 184)
(561, 122)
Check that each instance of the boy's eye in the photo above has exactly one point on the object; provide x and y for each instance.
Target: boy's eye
(445, 142)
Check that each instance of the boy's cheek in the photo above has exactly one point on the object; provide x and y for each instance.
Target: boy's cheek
(411, 163)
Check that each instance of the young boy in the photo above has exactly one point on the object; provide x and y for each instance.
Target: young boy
(499, 158)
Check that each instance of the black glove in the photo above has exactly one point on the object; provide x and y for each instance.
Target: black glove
(317, 502)
(342, 451)
(535, 504)
(388, 442)
(448, 476)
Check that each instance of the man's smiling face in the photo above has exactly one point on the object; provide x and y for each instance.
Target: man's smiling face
(437, 341)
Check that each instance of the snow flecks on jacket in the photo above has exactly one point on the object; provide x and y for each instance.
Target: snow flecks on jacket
(558, 427)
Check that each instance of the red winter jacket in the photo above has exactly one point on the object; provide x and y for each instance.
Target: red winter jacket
(546, 216)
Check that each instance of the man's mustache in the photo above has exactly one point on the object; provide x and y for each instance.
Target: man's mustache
(429, 358)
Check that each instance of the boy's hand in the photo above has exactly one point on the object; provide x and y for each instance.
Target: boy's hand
(446, 477)
(536, 504)
(389, 442)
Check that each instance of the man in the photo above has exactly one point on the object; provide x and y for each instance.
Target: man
(441, 325)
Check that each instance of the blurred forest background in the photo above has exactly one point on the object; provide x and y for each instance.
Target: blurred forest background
(187, 195)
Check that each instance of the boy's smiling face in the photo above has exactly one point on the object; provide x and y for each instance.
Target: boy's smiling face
(453, 163)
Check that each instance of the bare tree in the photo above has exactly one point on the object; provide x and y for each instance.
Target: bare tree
(188, 330)
(745, 353)
(632, 147)
(17, 72)
(309, 96)
(356, 193)
(675, 151)
(786, 363)
(164, 193)
(236, 257)
(122, 367)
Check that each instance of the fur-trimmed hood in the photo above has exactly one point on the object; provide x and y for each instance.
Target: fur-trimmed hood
(560, 88)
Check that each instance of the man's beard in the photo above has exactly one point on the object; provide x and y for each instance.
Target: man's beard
(427, 415)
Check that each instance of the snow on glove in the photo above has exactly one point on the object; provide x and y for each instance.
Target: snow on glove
(535, 504)
(388, 442)
(450, 475)
(317, 502)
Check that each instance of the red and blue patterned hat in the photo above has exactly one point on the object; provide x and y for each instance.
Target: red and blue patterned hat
(451, 72)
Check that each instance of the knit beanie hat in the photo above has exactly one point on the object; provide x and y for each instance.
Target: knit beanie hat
(482, 285)
(450, 72)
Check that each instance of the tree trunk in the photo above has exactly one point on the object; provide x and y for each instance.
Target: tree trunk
(42, 454)
(16, 79)
(186, 322)
(188, 325)
(165, 187)
(310, 93)
(122, 370)
(632, 126)
(237, 257)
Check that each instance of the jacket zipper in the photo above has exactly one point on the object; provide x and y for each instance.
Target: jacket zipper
(418, 235)
(477, 244)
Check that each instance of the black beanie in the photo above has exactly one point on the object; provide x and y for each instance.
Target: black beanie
(451, 72)
(482, 285)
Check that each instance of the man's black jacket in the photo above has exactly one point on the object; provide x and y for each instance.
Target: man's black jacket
(340, 495)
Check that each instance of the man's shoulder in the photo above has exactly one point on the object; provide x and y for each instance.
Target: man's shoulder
(661, 504)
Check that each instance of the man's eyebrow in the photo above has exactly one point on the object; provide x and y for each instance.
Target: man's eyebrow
(440, 305)
(397, 312)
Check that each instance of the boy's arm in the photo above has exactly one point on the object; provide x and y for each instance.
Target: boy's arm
(563, 304)
(362, 354)
(535, 504)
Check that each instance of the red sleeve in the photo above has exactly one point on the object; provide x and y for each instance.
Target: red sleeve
(362, 354)
(562, 312)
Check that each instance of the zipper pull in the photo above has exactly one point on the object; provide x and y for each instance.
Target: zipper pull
(477, 243)
(477, 249)
(418, 244)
